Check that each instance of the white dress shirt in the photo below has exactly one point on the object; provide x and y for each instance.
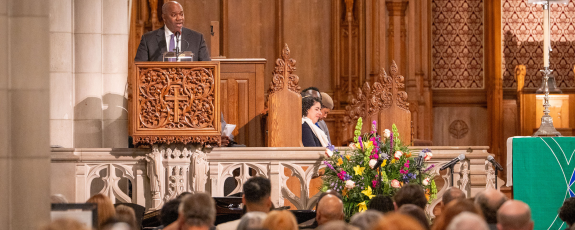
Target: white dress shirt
(168, 35)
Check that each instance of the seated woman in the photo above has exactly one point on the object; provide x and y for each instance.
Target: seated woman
(311, 134)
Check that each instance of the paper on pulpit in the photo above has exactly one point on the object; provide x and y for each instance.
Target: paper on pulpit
(228, 129)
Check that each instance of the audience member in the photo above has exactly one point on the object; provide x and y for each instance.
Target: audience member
(398, 221)
(256, 198)
(330, 208)
(467, 221)
(567, 212)
(450, 194)
(514, 215)
(410, 194)
(416, 212)
(58, 199)
(252, 220)
(114, 223)
(381, 203)
(453, 209)
(169, 213)
(280, 220)
(197, 211)
(312, 224)
(65, 224)
(366, 220)
(127, 215)
(336, 225)
(106, 208)
(490, 201)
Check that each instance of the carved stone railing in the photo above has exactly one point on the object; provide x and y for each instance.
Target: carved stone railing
(161, 173)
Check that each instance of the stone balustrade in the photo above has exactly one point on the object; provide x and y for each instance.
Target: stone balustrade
(150, 177)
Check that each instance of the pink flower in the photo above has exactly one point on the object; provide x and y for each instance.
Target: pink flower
(395, 184)
(398, 154)
(341, 175)
(374, 183)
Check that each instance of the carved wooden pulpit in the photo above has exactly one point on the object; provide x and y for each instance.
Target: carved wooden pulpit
(385, 102)
(174, 102)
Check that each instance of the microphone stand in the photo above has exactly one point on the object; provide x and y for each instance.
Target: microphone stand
(496, 177)
(177, 47)
(451, 170)
(419, 161)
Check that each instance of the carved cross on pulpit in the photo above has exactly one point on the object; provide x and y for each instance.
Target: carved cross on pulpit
(176, 98)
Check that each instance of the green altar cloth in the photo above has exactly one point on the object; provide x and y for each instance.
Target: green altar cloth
(543, 176)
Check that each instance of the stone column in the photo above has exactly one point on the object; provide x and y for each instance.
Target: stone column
(88, 73)
(115, 26)
(24, 114)
(61, 78)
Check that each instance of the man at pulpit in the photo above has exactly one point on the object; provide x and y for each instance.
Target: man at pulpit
(154, 44)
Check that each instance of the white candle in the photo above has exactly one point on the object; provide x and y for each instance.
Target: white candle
(546, 36)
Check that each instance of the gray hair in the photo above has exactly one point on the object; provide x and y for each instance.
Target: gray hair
(468, 221)
(252, 220)
(366, 220)
(198, 209)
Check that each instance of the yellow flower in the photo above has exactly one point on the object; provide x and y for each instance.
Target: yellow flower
(393, 161)
(358, 170)
(347, 157)
(362, 206)
(358, 145)
(344, 192)
(339, 162)
(367, 192)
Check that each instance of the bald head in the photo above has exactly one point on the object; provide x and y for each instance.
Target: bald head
(168, 5)
(330, 208)
(514, 215)
(452, 193)
(490, 201)
(173, 15)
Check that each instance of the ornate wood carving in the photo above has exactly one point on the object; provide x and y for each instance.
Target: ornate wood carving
(285, 66)
(175, 103)
(458, 129)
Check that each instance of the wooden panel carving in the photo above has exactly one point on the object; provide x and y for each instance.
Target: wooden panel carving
(284, 120)
(175, 103)
(385, 102)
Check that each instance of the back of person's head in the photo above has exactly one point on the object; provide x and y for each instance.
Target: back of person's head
(326, 101)
(453, 209)
(416, 212)
(328, 192)
(58, 199)
(452, 193)
(514, 215)
(106, 208)
(257, 189)
(115, 224)
(252, 220)
(567, 211)
(197, 210)
(467, 221)
(330, 208)
(169, 212)
(490, 201)
(127, 215)
(398, 221)
(336, 225)
(381, 203)
(365, 220)
(65, 224)
(280, 220)
(311, 91)
(410, 194)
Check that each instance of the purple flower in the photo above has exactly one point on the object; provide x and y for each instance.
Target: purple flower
(391, 141)
(328, 165)
(360, 142)
(428, 168)
(330, 147)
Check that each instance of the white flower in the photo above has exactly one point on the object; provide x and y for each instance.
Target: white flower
(328, 152)
(426, 181)
(349, 184)
(372, 163)
(398, 154)
(428, 156)
(395, 184)
(352, 146)
(386, 133)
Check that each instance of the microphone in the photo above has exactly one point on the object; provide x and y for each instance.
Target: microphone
(453, 162)
(177, 33)
(420, 159)
(494, 163)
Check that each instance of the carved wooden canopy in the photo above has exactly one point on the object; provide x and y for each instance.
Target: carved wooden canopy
(175, 102)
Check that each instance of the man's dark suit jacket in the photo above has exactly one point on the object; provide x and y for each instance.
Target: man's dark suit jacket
(153, 45)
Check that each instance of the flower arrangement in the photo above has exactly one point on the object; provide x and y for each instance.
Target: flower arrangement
(356, 174)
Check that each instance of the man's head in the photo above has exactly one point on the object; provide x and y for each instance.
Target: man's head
(381, 203)
(469, 221)
(173, 15)
(452, 193)
(410, 194)
(326, 105)
(197, 210)
(311, 92)
(514, 215)
(365, 220)
(567, 211)
(490, 201)
(329, 208)
(257, 191)
(169, 212)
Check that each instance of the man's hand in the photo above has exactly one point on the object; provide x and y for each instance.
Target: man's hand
(225, 141)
